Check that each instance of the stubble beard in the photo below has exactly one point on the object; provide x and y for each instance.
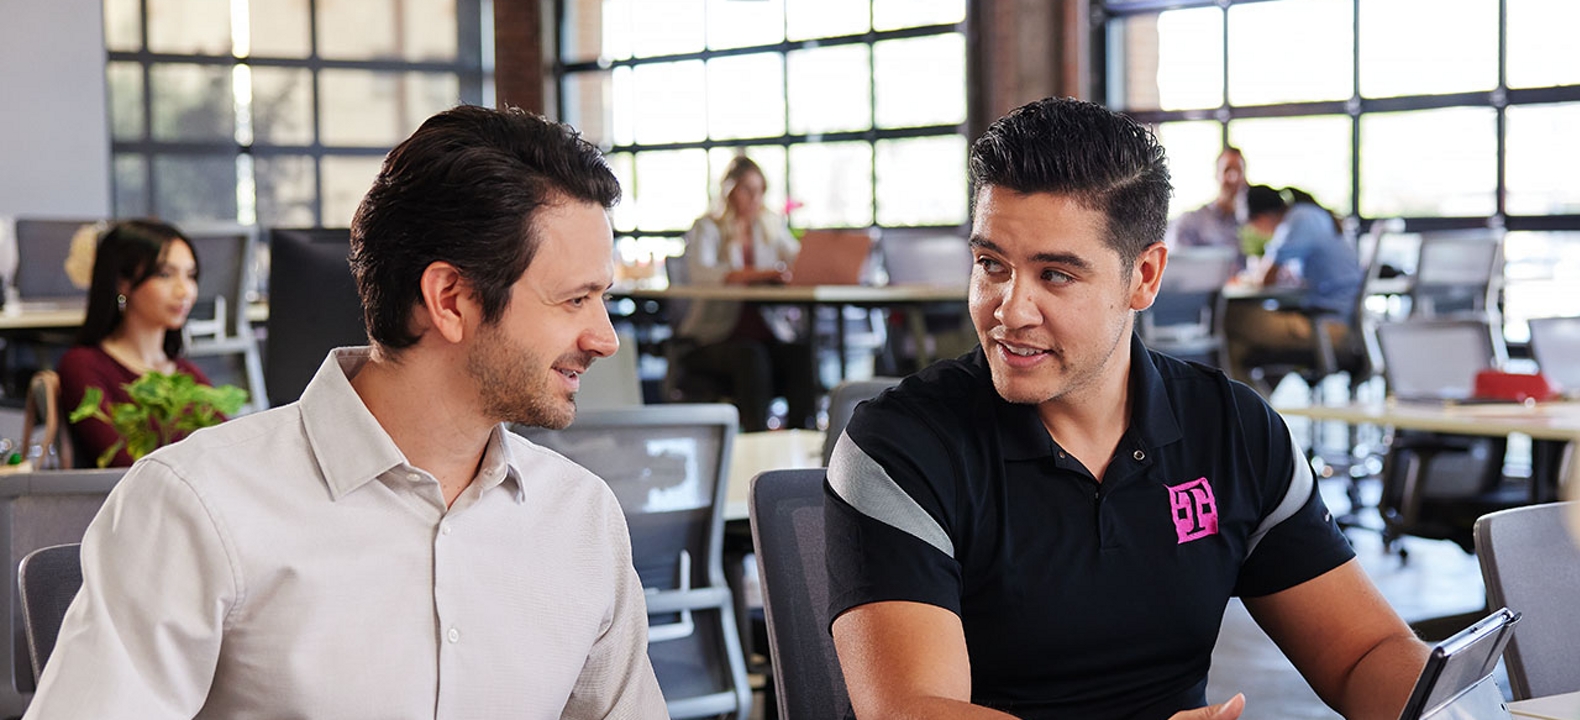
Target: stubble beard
(514, 387)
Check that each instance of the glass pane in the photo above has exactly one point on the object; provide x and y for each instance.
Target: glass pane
(406, 29)
(832, 183)
(125, 81)
(192, 102)
(671, 188)
(286, 186)
(830, 89)
(623, 216)
(920, 81)
(346, 180)
(922, 181)
(896, 14)
(280, 28)
(732, 23)
(1541, 270)
(807, 19)
(1541, 152)
(1428, 163)
(189, 27)
(1311, 153)
(378, 108)
(1425, 47)
(666, 28)
(771, 158)
(1192, 149)
(131, 185)
(589, 105)
(1541, 43)
(670, 102)
(1172, 61)
(123, 25)
(582, 29)
(746, 96)
(1267, 38)
(282, 106)
(195, 188)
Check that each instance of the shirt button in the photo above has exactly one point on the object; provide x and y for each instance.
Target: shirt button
(444, 528)
(454, 635)
(1139, 455)
(414, 477)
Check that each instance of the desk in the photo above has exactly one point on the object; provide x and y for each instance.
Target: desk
(1552, 707)
(808, 296)
(56, 317)
(756, 452)
(1557, 423)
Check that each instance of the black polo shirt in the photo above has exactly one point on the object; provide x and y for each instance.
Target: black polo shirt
(1078, 599)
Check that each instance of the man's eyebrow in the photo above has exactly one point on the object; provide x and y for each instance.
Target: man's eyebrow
(1068, 259)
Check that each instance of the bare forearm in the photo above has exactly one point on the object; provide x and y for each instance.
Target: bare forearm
(1380, 683)
(933, 708)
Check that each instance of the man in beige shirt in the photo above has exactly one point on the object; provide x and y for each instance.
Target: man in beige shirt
(384, 548)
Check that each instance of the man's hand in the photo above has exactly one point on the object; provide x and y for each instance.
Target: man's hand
(1226, 710)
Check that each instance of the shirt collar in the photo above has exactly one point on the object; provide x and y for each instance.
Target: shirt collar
(1152, 416)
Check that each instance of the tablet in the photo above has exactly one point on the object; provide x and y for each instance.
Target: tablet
(1458, 673)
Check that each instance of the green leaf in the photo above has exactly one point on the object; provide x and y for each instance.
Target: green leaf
(162, 408)
(89, 407)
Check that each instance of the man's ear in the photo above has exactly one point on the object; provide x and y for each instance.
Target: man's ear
(447, 303)
(1147, 275)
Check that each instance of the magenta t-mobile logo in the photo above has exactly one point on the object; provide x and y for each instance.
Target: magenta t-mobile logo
(1195, 510)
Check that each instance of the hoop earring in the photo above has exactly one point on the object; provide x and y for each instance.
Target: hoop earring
(120, 303)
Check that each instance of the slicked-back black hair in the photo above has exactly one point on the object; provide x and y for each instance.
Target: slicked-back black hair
(1105, 161)
(466, 188)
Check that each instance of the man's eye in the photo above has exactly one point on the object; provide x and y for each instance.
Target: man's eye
(989, 265)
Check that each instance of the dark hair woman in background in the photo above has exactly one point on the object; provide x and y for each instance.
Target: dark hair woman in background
(144, 283)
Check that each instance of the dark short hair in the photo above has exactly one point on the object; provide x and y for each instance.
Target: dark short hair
(129, 251)
(1261, 200)
(1105, 161)
(466, 189)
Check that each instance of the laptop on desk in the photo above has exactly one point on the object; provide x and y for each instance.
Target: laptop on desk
(43, 281)
(831, 257)
(1434, 361)
(1555, 343)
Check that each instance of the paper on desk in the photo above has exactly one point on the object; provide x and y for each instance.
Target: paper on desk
(1552, 707)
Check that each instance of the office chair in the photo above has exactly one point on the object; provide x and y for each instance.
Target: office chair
(787, 529)
(842, 402)
(220, 336)
(668, 465)
(1531, 562)
(1435, 485)
(48, 580)
(37, 510)
(1181, 320)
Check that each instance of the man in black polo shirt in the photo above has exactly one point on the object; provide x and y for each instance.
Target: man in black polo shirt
(1052, 525)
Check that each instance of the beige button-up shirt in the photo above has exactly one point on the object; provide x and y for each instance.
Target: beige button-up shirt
(292, 564)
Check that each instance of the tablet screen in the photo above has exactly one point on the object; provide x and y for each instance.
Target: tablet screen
(1459, 664)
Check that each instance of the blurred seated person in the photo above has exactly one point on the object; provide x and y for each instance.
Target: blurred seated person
(144, 283)
(1307, 250)
(744, 243)
(1216, 224)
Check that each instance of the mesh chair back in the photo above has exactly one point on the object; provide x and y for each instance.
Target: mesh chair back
(37, 510)
(842, 402)
(48, 579)
(787, 532)
(1555, 343)
(1531, 563)
(1457, 273)
(1180, 321)
(667, 465)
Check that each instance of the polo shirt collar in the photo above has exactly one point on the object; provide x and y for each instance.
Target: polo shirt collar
(1152, 416)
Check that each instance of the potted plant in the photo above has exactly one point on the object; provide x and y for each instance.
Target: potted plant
(164, 408)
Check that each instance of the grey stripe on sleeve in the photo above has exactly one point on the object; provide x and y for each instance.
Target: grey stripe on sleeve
(1301, 485)
(860, 481)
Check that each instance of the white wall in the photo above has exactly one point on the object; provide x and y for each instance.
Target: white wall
(54, 136)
